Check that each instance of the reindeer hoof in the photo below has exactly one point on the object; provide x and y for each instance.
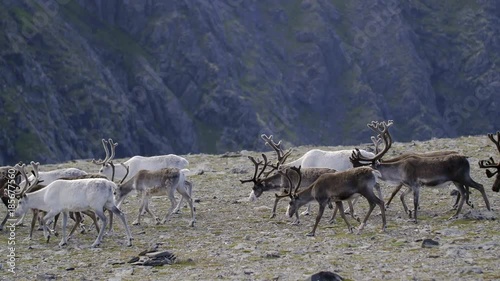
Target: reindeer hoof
(305, 213)
(272, 216)
(62, 244)
(310, 234)
(95, 245)
(136, 223)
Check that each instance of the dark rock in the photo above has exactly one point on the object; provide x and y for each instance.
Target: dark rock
(429, 243)
(325, 276)
(161, 254)
(134, 259)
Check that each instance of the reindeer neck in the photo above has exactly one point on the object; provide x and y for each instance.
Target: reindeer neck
(272, 182)
(390, 171)
(305, 196)
(36, 200)
(128, 186)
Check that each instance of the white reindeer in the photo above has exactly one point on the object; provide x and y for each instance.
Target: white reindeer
(131, 167)
(63, 196)
(50, 176)
(156, 183)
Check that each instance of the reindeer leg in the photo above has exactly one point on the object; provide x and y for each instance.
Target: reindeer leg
(173, 203)
(332, 219)
(33, 222)
(94, 219)
(100, 214)
(110, 222)
(373, 200)
(185, 195)
(318, 218)
(146, 206)
(142, 209)
(276, 200)
(480, 188)
(462, 192)
(64, 241)
(54, 226)
(416, 194)
(351, 207)
(297, 218)
(393, 194)
(4, 220)
(342, 214)
(116, 211)
(78, 219)
(405, 207)
(45, 219)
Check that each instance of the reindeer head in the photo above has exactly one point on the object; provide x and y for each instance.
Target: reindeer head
(382, 129)
(490, 163)
(258, 183)
(23, 205)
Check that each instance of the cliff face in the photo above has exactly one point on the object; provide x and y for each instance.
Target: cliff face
(211, 76)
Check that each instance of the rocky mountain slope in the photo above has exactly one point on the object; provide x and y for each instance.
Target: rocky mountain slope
(210, 76)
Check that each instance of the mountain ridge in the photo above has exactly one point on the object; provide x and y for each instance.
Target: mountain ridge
(191, 76)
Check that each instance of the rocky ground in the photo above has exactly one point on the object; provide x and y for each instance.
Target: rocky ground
(234, 239)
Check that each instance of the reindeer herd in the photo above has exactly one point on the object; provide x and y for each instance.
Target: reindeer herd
(335, 176)
(327, 177)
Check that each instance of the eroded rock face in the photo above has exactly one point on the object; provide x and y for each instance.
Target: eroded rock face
(198, 76)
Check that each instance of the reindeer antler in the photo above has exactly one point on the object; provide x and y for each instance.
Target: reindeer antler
(490, 163)
(282, 156)
(37, 180)
(255, 178)
(112, 145)
(382, 128)
(103, 162)
(25, 188)
(495, 141)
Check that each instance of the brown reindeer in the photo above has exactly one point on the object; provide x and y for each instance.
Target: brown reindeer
(338, 187)
(415, 171)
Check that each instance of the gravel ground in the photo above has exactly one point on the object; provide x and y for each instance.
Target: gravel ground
(235, 239)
